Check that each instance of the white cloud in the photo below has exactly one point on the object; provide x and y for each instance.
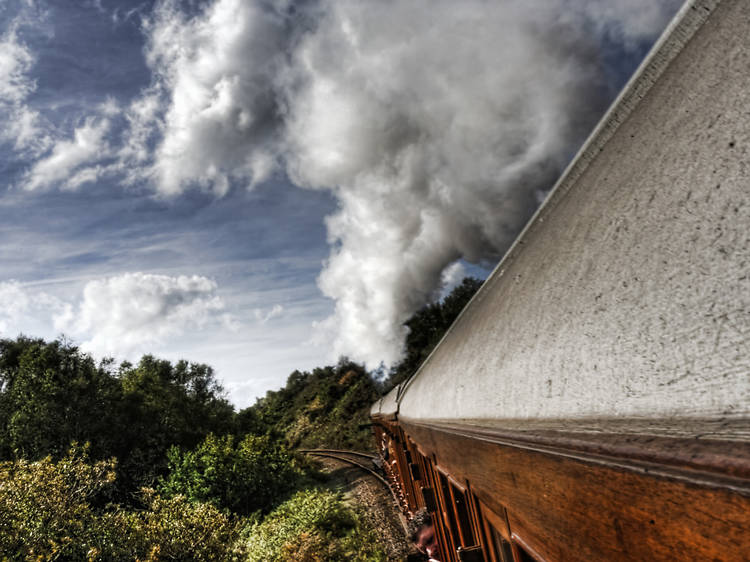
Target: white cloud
(133, 312)
(31, 134)
(216, 73)
(22, 125)
(65, 166)
(143, 115)
(15, 62)
(21, 309)
(264, 317)
(14, 303)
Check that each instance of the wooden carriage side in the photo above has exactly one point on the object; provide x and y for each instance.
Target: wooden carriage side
(593, 400)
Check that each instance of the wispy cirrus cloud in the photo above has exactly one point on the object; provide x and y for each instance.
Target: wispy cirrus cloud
(69, 164)
(56, 158)
(264, 316)
(22, 125)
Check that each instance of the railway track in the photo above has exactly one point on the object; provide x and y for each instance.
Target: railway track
(346, 456)
(367, 456)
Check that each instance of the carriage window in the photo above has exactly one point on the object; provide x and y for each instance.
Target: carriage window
(430, 495)
(496, 534)
(449, 512)
(464, 519)
(503, 550)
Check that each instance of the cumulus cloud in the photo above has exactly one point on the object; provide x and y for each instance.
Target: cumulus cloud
(134, 311)
(216, 74)
(14, 302)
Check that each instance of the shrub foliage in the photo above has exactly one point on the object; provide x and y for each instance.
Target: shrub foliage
(314, 525)
(252, 475)
(53, 511)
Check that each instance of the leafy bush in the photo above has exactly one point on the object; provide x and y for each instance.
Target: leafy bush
(45, 507)
(253, 475)
(178, 529)
(52, 511)
(312, 526)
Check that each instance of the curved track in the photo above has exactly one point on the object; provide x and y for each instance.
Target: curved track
(339, 451)
(341, 455)
(345, 456)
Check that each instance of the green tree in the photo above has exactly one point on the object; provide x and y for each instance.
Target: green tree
(328, 406)
(245, 477)
(51, 395)
(165, 405)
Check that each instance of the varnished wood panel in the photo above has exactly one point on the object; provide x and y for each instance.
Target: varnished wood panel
(569, 509)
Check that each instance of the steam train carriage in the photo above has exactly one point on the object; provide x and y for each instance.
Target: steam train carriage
(592, 402)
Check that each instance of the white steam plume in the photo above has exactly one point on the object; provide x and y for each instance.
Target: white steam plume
(435, 123)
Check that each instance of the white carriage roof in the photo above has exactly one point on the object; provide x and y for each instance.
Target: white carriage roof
(628, 294)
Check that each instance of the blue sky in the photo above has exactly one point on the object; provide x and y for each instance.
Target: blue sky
(263, 186)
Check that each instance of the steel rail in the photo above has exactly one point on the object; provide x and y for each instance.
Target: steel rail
(336, 455)
(356, 453)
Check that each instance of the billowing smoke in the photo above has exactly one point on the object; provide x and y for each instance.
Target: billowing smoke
(434, 123)
(437, 125)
